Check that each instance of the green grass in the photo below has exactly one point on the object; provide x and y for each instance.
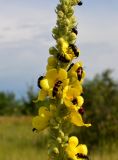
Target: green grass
(18, 142)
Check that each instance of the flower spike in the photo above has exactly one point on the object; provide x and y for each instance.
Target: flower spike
(61, 90)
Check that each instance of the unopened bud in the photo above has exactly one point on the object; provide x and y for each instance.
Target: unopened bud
(66, 138)
(67, 22)
(65, 8)
(72, 36)
(55, 30)
(60, 14)
(61, 133)
(52, 60)
(55, 150)
(53, 50)
(59, 140)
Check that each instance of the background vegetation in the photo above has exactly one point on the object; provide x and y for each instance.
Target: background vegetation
(101, 109)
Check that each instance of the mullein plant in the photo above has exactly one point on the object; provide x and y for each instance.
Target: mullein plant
(61, 89)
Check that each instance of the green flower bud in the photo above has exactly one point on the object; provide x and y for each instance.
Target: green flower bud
(67, 22)
(61, 133)
(59, 140)
(55, 150)
(72, 36)
(53, 51)
(65, 8)
(56, 127)
(71, 10)
(69, 14)
(64, 1)
(66, 138)
(52, 61)
(52, 122)
(73, 20)
(62, 145)
(64, 30)
(58, 7)
(60, 14)
(67, 2)
(60, 41)
(55, 30)
(74, 2)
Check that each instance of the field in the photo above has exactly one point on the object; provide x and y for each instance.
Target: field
(17, 142)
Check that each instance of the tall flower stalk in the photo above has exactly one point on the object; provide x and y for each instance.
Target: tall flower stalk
(61, 89)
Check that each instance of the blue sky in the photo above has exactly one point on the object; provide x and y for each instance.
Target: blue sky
(25, 36)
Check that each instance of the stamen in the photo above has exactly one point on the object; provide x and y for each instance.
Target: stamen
(74, 101)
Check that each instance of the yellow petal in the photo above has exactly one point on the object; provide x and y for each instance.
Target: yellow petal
(65, 82)
(67, 102)
(39, 123)
(78, 87)
(62, 74)
(84, 74)
(51, 75)
(68, 57)
(76, 119)
(82, 149)
(73, 74)
(42, 95)
(80, 101)
(71, 152)
(75, 66)
(44, 112)
(73, 141)
(44, 84)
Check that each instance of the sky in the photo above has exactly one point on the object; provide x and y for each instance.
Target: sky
(25, 37)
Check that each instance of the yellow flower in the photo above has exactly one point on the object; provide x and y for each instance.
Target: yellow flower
(75, 150)
(57, 80)
(76, 119)
(72, 98)
(41, 121)
(52, 84)
(66, 51)
(76, 72)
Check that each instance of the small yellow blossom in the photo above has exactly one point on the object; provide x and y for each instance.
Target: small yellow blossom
(77, 72)
(76, 151)
(72, 98)
(57, 80)
(66, 53)
(41, 121)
